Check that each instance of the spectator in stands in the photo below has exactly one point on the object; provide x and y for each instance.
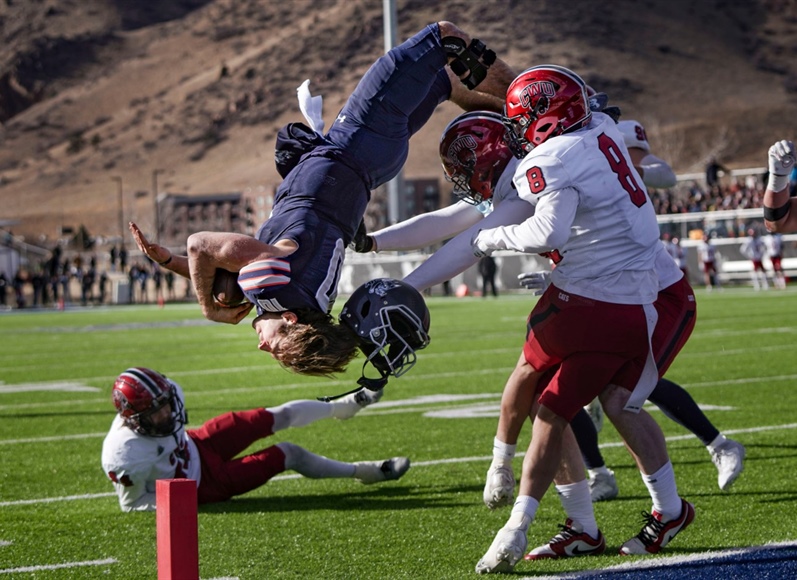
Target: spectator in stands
(713, 168)
(64, 278)
(774, 245)
(123, 259)
(18, 284)
(102, 287)
(707, 254)
(3, 288)
(754, 249)
(169, 276)
(487, 270)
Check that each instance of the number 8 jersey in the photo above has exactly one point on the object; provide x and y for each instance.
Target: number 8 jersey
(593, 217)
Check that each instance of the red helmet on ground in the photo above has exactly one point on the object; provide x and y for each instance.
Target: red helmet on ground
(543, 102)
(138, 393)
(474, 154)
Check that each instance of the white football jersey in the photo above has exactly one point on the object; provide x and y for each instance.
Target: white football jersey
(667, 270)
(133, 462)
(592, 215)
(706, 252)
(634, 135)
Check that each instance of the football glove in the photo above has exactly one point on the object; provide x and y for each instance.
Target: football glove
(480, 245)
(362, 242)
(781, 161)
(538, 281)
(781, 158)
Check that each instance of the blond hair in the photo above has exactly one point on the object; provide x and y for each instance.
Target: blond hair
(316, 346)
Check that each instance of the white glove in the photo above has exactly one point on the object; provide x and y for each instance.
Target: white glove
(481, 248)
(781, 161)
(538, 281)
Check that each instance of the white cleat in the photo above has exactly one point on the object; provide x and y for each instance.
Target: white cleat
(729, 459)
(348, 406)
(595, 412)
(506, 550)
(499, 489)
(368, 472)
(603, 486)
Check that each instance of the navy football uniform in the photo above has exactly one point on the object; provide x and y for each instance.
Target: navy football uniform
(321, 202)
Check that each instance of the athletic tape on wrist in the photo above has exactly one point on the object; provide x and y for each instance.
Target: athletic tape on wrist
(773, 214)
(777, 182)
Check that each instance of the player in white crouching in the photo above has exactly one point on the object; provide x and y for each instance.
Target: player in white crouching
(592, 326)
(148, 441)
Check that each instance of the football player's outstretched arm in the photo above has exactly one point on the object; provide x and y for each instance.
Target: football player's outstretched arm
(780, 213)
(655, 172)
(208, 251)
(426, 229)
(159, 254)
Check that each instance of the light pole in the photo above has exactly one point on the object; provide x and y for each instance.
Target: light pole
(155, 173)
(118, 181)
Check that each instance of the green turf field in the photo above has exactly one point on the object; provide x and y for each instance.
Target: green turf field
(57, 507)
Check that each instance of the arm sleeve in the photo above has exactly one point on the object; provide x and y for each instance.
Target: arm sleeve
(428, 228)
(656, 172)
(457, 255)
(547, 230)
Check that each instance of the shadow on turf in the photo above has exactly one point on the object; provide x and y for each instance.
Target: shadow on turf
(385, 498)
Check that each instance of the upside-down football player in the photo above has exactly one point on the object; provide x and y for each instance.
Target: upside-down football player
(289, 271)
(148, 441)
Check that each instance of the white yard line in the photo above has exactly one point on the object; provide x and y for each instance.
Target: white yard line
(104, 562)
(415, 464)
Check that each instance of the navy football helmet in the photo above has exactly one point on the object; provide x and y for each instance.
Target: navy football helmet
(391, 319)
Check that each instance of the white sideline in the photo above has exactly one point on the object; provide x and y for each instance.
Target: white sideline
(414, 463)
(60, 566)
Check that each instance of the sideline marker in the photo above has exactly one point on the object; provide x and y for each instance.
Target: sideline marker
(177, 533)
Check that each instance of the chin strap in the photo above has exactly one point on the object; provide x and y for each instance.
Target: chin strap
(363, 381)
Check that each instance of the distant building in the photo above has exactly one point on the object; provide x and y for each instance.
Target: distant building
(183, 215)
(243, 212)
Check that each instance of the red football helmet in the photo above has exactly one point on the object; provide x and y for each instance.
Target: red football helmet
(543, 102)
(474, 154)
(138, 393)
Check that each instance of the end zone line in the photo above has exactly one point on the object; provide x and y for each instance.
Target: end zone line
(666, 561)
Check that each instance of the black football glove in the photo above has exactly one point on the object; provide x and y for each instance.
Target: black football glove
(362, 242)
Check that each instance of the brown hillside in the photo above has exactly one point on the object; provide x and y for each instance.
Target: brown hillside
(96, 89)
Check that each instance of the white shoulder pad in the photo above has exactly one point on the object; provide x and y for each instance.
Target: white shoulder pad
(634, 135)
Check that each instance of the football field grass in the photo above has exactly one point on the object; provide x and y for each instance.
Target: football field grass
(60, 519)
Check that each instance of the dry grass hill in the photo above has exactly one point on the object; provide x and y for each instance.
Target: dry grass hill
(92, 90)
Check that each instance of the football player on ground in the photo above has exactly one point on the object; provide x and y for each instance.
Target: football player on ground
(779, 214)
(289, 271)
(593, 326)
(148, 441)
